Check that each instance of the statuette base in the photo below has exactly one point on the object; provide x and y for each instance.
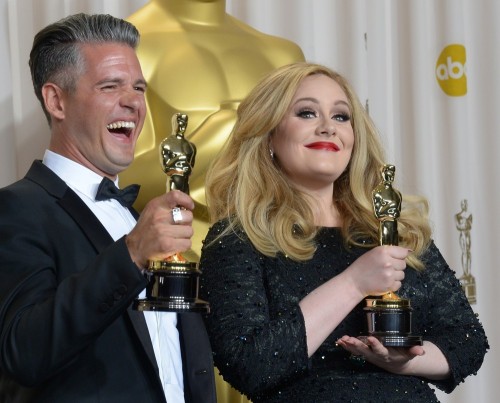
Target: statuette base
(468, 283)
(390, 322)
(172, 287)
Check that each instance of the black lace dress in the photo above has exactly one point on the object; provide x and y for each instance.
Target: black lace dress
(258, 334)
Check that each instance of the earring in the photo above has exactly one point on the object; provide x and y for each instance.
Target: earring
(271, 153)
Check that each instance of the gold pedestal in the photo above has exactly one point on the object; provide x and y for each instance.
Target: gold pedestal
(389, 320)
(172, 287)
(468, 283)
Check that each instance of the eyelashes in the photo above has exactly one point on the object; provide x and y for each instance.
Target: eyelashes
(342, 117)
(309, 114)
(306, 114)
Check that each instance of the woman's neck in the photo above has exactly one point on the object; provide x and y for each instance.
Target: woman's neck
(326, 215)
(324, 209)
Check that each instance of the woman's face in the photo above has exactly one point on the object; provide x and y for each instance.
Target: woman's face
(314, 141)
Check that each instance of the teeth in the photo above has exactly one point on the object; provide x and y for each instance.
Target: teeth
(121, 124)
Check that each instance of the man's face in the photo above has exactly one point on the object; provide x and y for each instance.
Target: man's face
(103, 117)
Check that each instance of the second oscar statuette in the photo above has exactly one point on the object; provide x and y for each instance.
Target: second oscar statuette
(389, 316)
(173, 282)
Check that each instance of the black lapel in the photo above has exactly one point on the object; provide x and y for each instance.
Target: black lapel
(94, 231)
(141, 328)
(100, 238)
(86, 220)
(197, 364)
(72, 204)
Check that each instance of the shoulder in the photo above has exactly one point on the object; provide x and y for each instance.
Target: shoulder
(224, 240)
(224, 231)
(432, 254)
(21, 193)
(280, 50)
(220, 227)
(437, 271)
(40, 183)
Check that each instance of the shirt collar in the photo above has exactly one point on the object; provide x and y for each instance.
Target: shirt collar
(76, 176)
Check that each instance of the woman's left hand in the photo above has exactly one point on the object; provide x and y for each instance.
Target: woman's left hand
(393, 359)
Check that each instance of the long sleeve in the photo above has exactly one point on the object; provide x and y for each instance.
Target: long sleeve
(57, 294)
(255, 348)
(444, 317)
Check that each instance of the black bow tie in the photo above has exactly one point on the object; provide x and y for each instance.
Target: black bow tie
(107, 190)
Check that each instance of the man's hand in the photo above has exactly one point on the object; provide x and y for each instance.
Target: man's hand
(156, 236)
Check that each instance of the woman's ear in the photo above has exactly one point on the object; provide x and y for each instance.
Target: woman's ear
(52, 96)
(270, 145)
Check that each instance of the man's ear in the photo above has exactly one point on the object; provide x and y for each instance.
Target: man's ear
(53, 99)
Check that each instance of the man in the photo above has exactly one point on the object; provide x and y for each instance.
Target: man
(71, 262)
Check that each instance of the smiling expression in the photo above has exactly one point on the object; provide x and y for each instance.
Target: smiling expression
(103, 117)
(314, 141)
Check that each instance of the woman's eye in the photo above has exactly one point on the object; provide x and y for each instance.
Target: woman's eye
(306, 114)
(341, 117)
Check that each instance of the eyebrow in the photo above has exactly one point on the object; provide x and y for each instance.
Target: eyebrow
(311, 99)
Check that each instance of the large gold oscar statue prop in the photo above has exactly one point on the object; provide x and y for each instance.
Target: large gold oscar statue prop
(389, 316)
(200, 60)
(173, 282)
(464, 225)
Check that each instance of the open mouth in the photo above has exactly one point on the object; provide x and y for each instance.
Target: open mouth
(121, 127)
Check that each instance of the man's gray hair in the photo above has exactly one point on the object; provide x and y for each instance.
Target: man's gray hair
(56, 57)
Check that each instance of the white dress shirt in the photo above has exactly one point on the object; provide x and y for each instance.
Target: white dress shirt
(118, 221)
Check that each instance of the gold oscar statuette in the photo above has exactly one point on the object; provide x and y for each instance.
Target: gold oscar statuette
(173, 282)
(389, 316)
(464, 225)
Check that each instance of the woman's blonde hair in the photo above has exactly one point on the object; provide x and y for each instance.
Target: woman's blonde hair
(246, 186)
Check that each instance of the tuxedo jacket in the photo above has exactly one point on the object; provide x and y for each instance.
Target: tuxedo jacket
(67, 332)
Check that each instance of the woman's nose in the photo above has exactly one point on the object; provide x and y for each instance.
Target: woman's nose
(326, 127)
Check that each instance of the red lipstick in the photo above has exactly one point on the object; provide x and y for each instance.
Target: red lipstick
(323, 145)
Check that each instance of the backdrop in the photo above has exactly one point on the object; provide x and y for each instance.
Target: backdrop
(426, 69)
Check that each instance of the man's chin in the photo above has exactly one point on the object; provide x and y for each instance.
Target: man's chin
(117, 167)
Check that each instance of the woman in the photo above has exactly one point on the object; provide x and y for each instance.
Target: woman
(293, 253)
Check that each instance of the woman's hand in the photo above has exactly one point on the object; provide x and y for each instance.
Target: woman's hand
(379, 270)
(392, 359)
(425, 361)
(374, 273)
